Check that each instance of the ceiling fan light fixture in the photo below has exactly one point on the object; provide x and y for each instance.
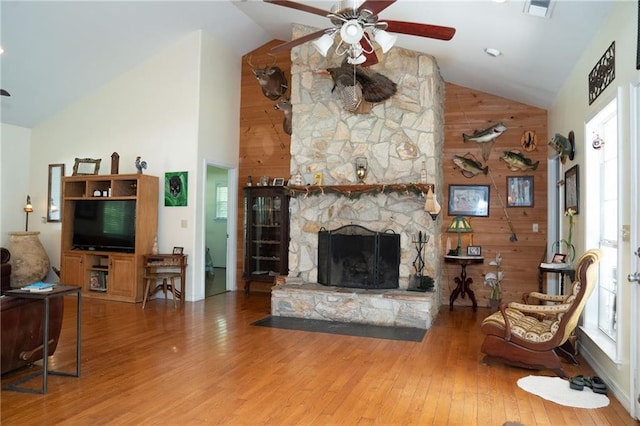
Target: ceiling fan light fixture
(351, 31)
(323, 44)
(384, 39)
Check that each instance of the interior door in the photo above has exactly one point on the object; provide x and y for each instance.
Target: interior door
(634, 275)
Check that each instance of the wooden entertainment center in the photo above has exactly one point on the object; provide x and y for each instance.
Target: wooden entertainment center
(112, 275)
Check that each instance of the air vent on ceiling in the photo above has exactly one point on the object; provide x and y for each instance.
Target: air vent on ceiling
(541, 8)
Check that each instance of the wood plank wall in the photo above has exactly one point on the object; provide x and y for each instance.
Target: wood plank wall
(265, 150)
(465, 111)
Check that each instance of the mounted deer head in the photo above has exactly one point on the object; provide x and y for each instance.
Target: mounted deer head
(272, 80)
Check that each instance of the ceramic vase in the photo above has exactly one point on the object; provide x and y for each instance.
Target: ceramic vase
(29, 261)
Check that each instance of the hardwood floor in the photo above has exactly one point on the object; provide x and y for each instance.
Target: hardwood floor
(208, 365)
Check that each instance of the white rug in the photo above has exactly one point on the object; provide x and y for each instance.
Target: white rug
(557, 390)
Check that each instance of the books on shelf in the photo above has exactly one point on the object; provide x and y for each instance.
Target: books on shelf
(38, 287)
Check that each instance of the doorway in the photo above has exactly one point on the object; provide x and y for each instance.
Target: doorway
(216, 230)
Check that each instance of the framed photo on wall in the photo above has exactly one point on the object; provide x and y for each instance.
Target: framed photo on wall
(519, 191)
(468, 200)
(572, 189)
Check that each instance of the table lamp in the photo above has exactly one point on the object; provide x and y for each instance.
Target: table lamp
(459, 224)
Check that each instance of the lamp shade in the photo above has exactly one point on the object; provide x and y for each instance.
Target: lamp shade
(460, 224)
(323, 44)
(351, 31)
(385, 40)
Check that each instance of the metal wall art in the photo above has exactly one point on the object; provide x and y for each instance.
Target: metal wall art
(603, 73)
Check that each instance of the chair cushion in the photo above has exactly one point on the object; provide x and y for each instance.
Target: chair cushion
(524, 326)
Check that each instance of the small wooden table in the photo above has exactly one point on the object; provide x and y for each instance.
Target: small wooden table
(462, 281)
(164, 267)
(59, 290)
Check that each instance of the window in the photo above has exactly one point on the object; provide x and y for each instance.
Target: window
(601, 227)
(221, 201)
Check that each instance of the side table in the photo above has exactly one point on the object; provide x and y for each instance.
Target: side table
(462, 281)
(562, 271)
(59, 290)
(164, 267)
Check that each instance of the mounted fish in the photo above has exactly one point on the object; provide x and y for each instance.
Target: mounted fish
(272, 80)
(285, 106)
(516, 161)
(485, 137)
(563, 147)
(469, 167)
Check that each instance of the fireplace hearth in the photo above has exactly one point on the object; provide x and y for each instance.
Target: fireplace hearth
(356, 257)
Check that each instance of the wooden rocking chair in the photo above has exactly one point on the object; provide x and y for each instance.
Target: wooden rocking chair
(532, 336)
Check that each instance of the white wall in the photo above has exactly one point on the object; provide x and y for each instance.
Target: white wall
(15, 144)
(153, 111)
(571, 111)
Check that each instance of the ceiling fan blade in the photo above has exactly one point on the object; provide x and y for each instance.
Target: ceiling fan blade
(300, 40)
(4, 92)
(299, 6)
(422, 30)
(376, 6)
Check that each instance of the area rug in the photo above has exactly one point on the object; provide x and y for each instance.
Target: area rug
(409, 334)
(557, 390)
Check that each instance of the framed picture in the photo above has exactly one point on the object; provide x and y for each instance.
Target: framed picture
(278, 182)
(178, 250)
(474, 251)
(572, 189)
(559, 258)
(468, 200)
(86, 166)
(519, 191)
(175, 189)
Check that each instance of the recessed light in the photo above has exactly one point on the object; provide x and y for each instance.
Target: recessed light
(1, 50)
(492, 52)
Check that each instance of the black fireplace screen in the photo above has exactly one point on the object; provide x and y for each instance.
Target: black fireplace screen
(354, 256)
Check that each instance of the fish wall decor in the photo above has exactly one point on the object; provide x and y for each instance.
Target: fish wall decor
(516, 161)
(486, 135)
(469, 167)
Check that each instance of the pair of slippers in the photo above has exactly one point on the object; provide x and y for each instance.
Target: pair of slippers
(596, 384)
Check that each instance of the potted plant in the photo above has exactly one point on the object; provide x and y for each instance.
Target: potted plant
(567, 244)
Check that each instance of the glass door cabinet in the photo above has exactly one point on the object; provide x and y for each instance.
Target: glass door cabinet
(266, 234)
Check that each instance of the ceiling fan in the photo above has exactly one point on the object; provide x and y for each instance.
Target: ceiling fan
(357, 26)
(4, 92)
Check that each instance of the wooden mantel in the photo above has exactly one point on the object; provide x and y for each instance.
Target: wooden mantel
(355, 191)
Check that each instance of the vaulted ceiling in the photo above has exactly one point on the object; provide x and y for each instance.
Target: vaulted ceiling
(56, 52)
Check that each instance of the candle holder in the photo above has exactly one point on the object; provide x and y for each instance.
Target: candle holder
(361, 169)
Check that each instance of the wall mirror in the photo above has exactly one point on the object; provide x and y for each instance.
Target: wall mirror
(54, 194)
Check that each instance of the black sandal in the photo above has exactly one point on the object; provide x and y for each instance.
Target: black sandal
(597, 385)
(577, 382)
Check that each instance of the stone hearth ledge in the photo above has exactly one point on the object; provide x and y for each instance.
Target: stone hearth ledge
(291, 297)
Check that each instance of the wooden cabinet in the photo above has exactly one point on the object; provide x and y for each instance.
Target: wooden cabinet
(106, 273)
(266, 234)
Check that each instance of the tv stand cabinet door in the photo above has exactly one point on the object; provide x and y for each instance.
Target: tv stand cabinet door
(122, 276)
(72, 269)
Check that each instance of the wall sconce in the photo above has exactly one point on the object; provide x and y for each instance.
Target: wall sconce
(431, 204)
(28, 208)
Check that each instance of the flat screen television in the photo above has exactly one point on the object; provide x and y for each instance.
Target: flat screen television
(108, 225)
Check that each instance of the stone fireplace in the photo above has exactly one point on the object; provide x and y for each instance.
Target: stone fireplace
(398, 137)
